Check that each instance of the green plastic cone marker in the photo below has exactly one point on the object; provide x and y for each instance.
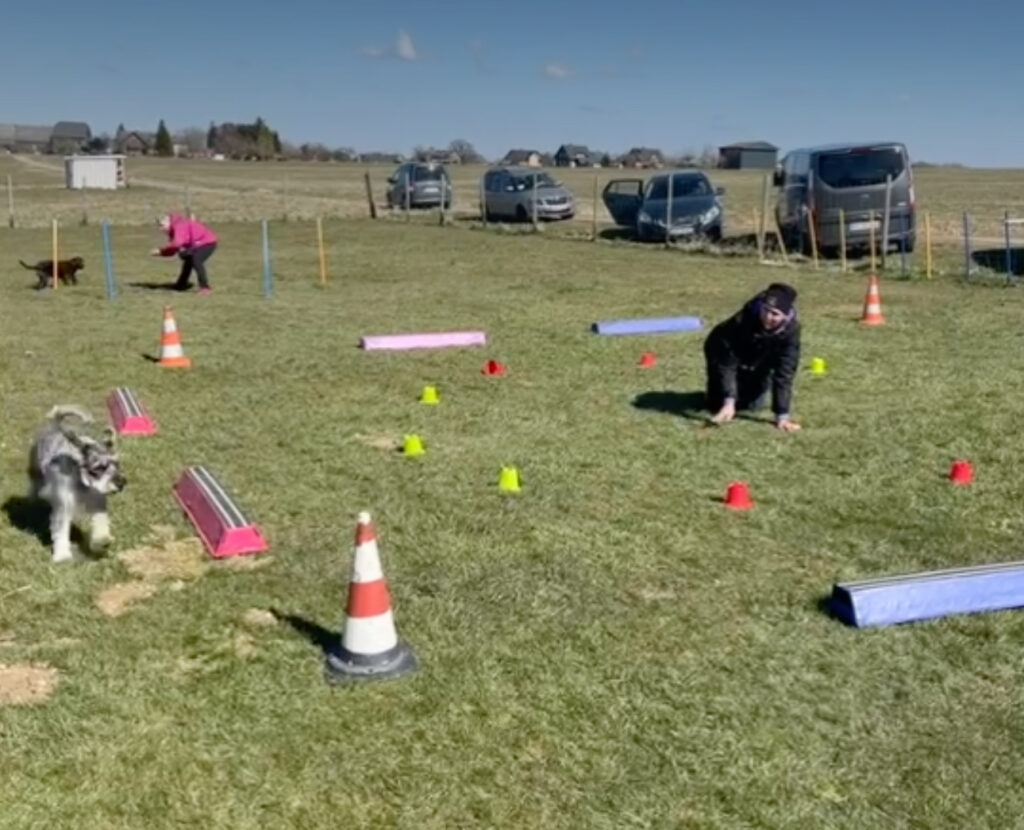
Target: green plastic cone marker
(818, 366)
(430, 395)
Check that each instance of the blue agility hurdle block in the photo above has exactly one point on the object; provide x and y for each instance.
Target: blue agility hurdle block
(648, 325)
(898, 599)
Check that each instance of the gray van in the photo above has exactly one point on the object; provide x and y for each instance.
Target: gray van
(815, 183)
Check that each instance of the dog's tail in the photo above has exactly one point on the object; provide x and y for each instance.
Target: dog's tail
(26, 265)
(62, 412)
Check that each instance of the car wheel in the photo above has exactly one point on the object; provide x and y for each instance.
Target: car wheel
(521, 214)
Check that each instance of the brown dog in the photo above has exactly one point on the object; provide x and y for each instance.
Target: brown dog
(66, 271)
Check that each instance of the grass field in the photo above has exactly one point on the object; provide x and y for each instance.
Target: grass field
(608, 649)
(242, 191)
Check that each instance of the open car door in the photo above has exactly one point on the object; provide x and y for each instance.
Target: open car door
(623, 198)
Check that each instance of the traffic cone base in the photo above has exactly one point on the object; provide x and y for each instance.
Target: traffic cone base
(344, 666)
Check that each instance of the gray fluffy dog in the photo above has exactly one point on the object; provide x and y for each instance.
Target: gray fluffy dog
(74, 473)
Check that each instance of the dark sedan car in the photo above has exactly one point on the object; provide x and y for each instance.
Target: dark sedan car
(695, 213)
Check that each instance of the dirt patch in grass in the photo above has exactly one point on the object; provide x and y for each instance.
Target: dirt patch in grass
(248, 562)
(27, 683)
(182, 559)
(115, 600)
(378, 442)
(259, 618)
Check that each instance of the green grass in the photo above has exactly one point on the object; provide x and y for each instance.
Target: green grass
(608, 649)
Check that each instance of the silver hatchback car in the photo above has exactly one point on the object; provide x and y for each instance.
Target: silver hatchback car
(509, 194)
(420, 185)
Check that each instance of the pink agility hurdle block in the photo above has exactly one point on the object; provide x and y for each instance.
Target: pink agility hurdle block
(217, 518)
(435, 340)
(128, 414)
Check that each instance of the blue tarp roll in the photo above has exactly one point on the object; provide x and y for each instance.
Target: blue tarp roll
(648, 325)
(899, 599)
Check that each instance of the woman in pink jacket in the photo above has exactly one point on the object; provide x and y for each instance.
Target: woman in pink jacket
(194, 243)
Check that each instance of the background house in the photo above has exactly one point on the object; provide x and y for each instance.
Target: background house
(748, 155)
(134, 143)
(574, 155)
(524, 158)
(29, 139)
(642, 157)
(69, 137)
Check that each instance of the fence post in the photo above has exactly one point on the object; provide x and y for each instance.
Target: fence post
(886, 217)
(108, 258)
(1009, 255)
(967, 244)
(369, 195)
(10, 202)
(593, 220)
(928, 244)
(668, 212)
(842, 239)
(268, 274)
(535, 223)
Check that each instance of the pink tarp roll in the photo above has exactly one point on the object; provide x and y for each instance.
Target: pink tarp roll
(434, 340)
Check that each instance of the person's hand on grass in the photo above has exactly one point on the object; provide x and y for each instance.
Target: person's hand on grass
(155, 252)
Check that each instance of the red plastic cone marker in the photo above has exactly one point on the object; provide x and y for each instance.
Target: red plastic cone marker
(737, 497)
(961, 472)
(493, 367)
(647, 360)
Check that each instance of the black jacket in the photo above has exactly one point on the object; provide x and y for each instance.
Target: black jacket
(741, 343)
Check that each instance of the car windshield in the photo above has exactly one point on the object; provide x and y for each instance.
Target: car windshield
(428, 174)
(684, 186)
(525, 182)
(860, 168)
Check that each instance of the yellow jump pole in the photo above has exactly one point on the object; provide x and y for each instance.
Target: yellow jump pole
(320, 249)
(928, 244)
(56, 257)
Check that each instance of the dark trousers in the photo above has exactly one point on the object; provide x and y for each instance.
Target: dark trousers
(195, 258)
(751, 388)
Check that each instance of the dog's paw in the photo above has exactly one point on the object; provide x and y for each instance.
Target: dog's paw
(100, 544)
(62, 555)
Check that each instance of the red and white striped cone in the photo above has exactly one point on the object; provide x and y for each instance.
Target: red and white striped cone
(369, 646)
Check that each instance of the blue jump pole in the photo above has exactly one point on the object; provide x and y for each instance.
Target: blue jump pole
(268, 274)
(108, 259)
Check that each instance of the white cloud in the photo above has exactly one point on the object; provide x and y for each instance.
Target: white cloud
(405, 48)
(556, 71)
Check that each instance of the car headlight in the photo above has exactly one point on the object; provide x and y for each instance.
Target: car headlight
(644, 217)
(710, 215)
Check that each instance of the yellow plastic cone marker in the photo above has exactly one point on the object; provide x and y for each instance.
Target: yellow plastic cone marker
(430, 395)
(818, 366)
(509, 481)
(412, 446)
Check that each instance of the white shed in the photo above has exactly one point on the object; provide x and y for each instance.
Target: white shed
(94, 172)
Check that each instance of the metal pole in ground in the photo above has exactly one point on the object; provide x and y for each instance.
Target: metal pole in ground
(967, 245)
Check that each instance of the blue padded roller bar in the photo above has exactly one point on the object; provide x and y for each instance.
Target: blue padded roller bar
(648, 325)
(898, 599)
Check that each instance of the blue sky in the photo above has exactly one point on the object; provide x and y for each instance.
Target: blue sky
(388, 76)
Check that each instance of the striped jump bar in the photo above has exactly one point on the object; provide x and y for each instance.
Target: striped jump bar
(128, 414)
(898, 599)
(216, 516)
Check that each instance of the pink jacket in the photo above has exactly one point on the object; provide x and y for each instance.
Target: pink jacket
(186, 233)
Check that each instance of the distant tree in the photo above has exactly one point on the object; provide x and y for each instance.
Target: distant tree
(465, 151)
(708, 158)
(211, 137)
(98, 144)
(164, 145)
(606, 160)
(194, 139)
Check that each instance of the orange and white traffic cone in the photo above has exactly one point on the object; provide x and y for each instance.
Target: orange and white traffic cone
(172, 354)
(872, 315)
(369, 647)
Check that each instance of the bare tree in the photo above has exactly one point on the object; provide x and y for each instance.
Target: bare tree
(465, 151)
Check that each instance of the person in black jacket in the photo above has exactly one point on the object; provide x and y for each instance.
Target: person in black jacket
(756, 347)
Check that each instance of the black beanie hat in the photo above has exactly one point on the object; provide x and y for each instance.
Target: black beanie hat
(781, 296)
